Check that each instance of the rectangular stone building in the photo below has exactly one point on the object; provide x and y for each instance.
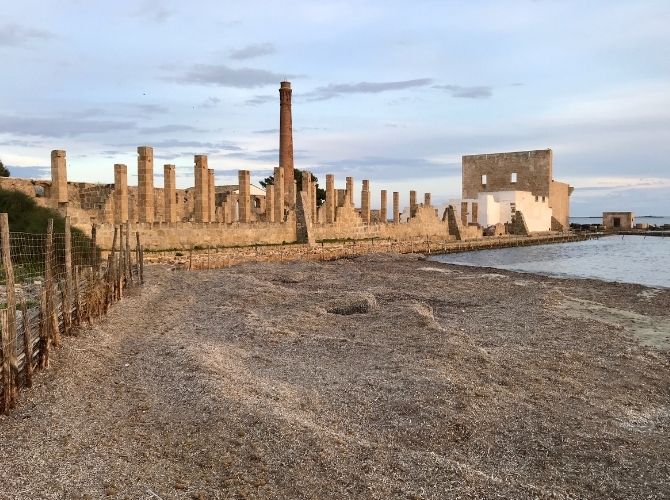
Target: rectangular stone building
(618, 220)
(529, 171)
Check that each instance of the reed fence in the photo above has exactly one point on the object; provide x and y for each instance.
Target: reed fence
(50, 285)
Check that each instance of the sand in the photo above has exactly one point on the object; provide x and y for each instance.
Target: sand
(375, 377)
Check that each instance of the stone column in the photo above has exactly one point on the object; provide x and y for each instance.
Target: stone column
(396, 207)
(225, 208)
(279, 194)
(58, 193)
(365, 201)
(464, 213)
(211, 195)
(286, 141)
(170, 193)
(306, 182)
(412, 203)
(120, 194)
(383, 215)
(341, 196)
(312, 198)
(244, 177)
(350, 190)
(145, 184)
(201, 208)
(270, 203)
(330, 198)
(475, 213)
(426, 199)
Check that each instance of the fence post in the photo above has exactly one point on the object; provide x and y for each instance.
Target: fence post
(111, 275)
(128, 263)
(9, 366)
(53, 333)
(94, 249)
(67, 303)
(77, 299)
(141, 264)
(138, 249)
(27, 345)
(121, 265)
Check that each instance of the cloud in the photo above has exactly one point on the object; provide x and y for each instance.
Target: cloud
(382, 168)
(267, 131)
(476, 92)
(29, 172)
(337, 89)
(210, 102)
(210, 146)
(260, 99)
(165, 129)
(253, 50)
(267, 155)
(225, 76)
(59, 126)
(20, 143)
(154, 11)
(153, 109)
(13, 35)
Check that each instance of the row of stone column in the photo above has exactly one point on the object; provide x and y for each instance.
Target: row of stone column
(205, 190)
(339, 197)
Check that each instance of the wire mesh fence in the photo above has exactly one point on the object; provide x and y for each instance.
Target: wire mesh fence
(51, 284)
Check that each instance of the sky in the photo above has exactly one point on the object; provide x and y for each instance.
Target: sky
(395, 92)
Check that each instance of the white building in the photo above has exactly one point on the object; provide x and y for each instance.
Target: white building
(490, 208)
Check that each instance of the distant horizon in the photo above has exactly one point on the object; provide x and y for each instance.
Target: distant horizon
(636, 216)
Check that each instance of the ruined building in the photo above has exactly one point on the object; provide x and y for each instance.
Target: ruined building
(496, 186)
(243, 214)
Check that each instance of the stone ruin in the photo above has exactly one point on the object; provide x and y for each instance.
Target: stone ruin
(211, 215)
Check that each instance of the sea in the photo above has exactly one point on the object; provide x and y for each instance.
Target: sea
(644, 260)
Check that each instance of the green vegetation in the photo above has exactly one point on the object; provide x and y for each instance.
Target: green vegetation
(28, 225)
(4, 172)
(297, 175)
(25, 216)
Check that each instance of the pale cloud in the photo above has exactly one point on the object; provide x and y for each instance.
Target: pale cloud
(338, 89)
(13, 35)
(225, 76)
(59, 126)
(252, 51)
(476, 92)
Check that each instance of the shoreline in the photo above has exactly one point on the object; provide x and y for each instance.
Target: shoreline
(547, 274)
(221, 257)
(338, 379)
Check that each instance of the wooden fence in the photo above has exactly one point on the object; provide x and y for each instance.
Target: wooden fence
(51, 284)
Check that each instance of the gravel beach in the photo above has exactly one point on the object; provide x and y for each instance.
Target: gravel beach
(381, 376)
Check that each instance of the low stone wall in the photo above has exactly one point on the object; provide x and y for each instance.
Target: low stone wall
(184, 235)
(427, 223)
(215, 258)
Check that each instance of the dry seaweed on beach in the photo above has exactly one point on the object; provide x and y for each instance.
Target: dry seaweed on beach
(375, 377)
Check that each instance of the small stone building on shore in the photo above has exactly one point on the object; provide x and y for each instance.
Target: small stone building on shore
(618, 220)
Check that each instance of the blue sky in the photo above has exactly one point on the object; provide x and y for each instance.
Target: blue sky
(392, 91)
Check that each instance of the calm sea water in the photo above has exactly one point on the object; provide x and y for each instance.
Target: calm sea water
(658, 221)
(628, 259)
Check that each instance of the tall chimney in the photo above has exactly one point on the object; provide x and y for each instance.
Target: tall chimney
(286, 141)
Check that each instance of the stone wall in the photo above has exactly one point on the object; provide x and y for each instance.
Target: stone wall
(559, 202)
(184, 235)
(533, 171)
(626, 220)
(349, 226)
(529, 171)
